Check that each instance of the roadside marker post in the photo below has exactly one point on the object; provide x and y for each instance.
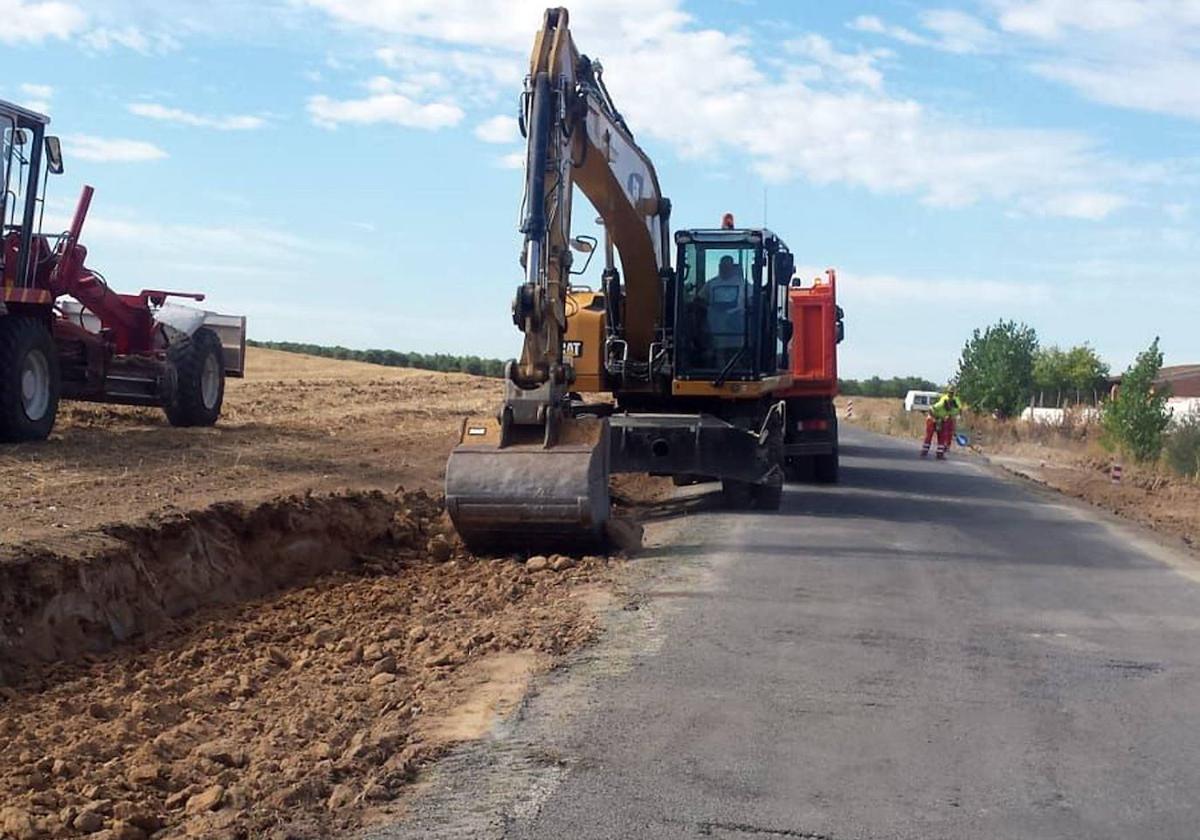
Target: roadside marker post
(849, 409)
(1115, 472)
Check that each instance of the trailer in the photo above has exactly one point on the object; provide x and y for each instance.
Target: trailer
(66, 334)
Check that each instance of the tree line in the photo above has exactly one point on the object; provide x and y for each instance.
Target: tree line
(441, 362)
(1003, 366)
(897, 387)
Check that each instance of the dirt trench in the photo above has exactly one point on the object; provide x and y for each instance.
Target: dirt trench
(282, 670)
(117, 582)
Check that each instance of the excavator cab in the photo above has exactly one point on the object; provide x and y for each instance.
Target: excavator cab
(729, 323)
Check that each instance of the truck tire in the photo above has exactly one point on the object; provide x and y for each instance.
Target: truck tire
(199, 379)
(29, 379)
(825, 468)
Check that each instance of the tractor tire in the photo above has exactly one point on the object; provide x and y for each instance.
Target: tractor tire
(825, 468)
(767, 496)
(29, 379)
(199, 379)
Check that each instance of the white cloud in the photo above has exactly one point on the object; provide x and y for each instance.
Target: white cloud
(393, 108)
(958, 32)
(389, 101)
(38, 91)
(834, 66)
(823, 113)
(512, 160)
(949, 30)
(32, 23)
(498, 129)
(243, 122)
(89, 147)
(36, 97)
(871, 289)
(103, 39)
(876, 26)
(1084, 205)
(1137, 54)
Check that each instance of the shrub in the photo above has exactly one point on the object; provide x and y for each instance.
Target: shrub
(1182, 448)
(1136, 419)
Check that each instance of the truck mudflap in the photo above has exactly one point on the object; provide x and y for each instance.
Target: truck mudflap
(697, 445)
(525, 495)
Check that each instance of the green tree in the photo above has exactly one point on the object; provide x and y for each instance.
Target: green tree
(1050, 375)
(995, 372)
(1086, 373)
(1136, 419)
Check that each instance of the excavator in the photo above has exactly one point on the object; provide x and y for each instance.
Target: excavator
(668, 368)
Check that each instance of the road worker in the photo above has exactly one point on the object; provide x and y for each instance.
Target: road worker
(941, 421)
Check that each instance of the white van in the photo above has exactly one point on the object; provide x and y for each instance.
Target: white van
(920, 400)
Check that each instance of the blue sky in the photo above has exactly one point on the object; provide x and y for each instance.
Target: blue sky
(342, 171)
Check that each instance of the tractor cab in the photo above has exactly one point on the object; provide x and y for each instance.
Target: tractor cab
(730, 318)
(27, 158)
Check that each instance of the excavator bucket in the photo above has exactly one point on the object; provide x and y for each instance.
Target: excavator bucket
(526, 496)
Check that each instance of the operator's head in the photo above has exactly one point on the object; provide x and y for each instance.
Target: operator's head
(952, 389)
(727, 268)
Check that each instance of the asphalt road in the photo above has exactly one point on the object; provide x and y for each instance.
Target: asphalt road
(925, 651)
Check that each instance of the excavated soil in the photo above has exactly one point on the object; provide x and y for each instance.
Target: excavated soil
(299, 713)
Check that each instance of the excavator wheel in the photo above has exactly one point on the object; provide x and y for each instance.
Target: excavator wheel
(29, 379)
(200, 380)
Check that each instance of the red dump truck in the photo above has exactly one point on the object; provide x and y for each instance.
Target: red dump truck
(818, 326)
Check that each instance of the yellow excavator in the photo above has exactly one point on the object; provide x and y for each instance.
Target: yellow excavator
(693, 355)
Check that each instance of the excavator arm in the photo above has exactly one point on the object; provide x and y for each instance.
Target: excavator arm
(539, 471)
(577, 137)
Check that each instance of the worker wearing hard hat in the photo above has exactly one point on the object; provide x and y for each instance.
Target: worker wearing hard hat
(941, 421)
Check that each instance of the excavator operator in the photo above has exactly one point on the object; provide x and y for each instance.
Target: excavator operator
(725, 298)
(941, 421)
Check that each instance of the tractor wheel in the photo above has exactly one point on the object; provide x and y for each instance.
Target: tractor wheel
(29, 383)
(768, 496)
(825, 468)
(200, 379)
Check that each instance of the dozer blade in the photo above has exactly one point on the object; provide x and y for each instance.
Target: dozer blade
(528, 497)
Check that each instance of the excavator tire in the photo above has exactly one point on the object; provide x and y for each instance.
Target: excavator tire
(200, 379)
(29, 379)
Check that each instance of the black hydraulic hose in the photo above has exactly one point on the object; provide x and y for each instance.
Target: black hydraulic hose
(534, 225)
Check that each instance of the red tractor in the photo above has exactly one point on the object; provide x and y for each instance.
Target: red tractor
(101, 346)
